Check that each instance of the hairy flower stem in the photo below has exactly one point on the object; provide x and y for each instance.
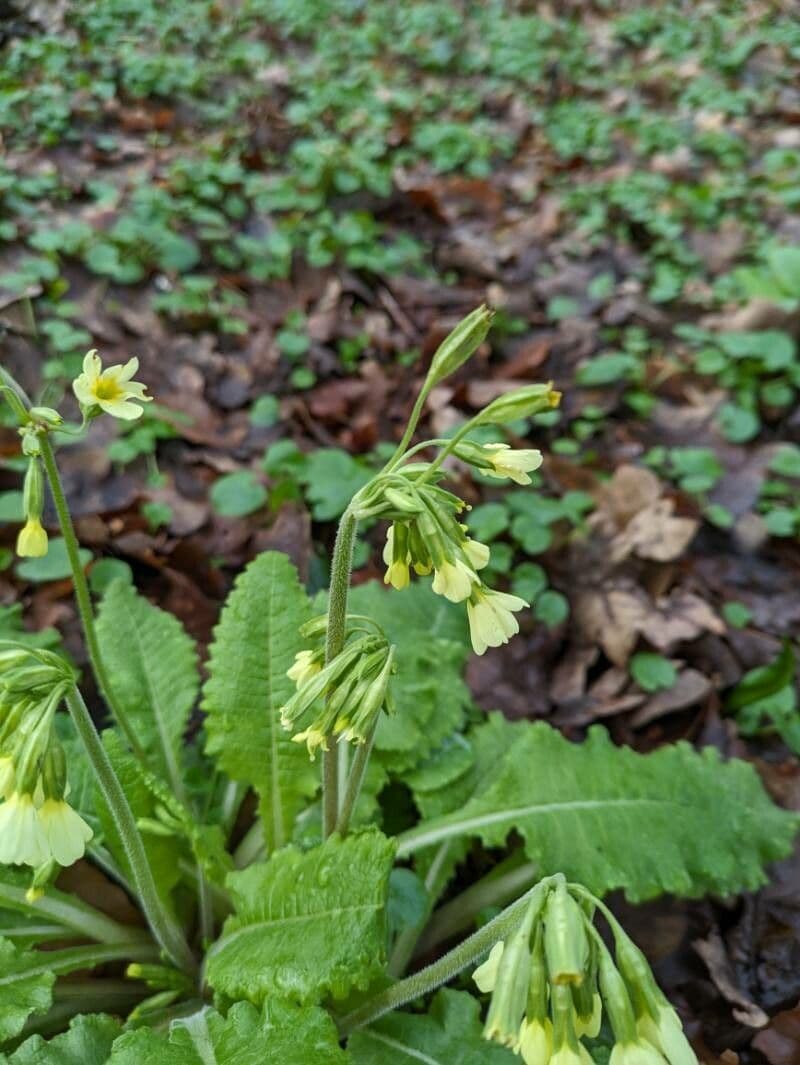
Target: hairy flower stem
(341, 567)
(459, 913)
(467, 953)
(163, 925)
(82, 597)
(355, 781)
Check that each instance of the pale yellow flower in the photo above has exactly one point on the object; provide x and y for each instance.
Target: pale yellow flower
(666, 1033)
(565, 1055)
(22, 839)
(639, 1052)
(515, 465)
(454, 580)
(112, 389)
(32, 539)
(590, 1025)
(491, 617)
(536, 1042)
(313, 738)
(397, 571)
(306, 665)
(486, 973)
(477, 553)
(65, 831)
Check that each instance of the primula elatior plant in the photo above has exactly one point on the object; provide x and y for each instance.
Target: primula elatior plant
(290, 928)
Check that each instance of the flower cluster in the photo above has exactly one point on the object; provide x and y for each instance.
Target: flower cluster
(426, 536)
(343, 698)
(553, 978)
(37, 824)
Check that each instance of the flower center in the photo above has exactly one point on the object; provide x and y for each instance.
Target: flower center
(107, 388)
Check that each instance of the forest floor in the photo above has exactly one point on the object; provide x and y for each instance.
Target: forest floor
(281, 207)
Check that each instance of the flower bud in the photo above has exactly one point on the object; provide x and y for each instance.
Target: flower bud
(33, 490)
(565, 941)
(460, 345)
(521, 403)
(49, 417)
(510, 993)
(616, 999)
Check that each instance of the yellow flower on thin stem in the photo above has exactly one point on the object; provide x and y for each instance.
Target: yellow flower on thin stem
(306, 665)
(32, 540)
(515, 465)
(112, 389)
(491, 617)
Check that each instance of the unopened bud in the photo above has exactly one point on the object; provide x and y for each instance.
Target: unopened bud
(460, 345)
(33, 491)
(565, 941)
(616, 998)
(521, 403)
(47, 416)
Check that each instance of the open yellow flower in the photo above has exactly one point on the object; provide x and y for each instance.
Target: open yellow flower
(32, 540)
(491, 617)
(112, 389)
(515, 465)
(536, 1041)
(65, 831)
(305, 666)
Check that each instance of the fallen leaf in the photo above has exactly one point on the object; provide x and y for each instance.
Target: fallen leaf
(712, 951)
(655, 533)
(690, 687)
(613, 617)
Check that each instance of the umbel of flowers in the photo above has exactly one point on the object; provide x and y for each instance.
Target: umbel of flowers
(37, 824)
(552, 980)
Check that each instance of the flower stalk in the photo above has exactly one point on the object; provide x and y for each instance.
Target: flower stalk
(165, 929)
(82, 596)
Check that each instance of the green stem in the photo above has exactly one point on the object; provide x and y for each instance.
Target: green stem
(447, 450)
(82, 596)
(416, 413)
(73, 914)
(337, 630)
(458, 914)
(251, 848)
(435, 882)
(165, 929)
(464, 955)
(356, 780)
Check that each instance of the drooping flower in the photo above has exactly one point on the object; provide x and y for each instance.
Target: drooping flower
(665, 1032)
(506, 462)
(22, 838)
(454, 580)
(397, 557)
(536, 1041)
(32, 539)
(306, 665)
(112, 389)
(477, 553)
(638, 1052)
(65, 831)
(568, 1055)
(486, 973)
(491, 617)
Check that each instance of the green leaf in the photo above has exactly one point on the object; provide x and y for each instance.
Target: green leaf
(653, 672)
(238, 494)
(26, 983)
(764, 681)
(605, 369)
(451, 1031)
(282, 1034)
(332, 477)
(671, 821)
(54, 566)
(552, 608)
(306, 924)
(786, 461)
(738, 424)
(88, 1042)
(785, 265)
(152, 665)
(254, 644)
